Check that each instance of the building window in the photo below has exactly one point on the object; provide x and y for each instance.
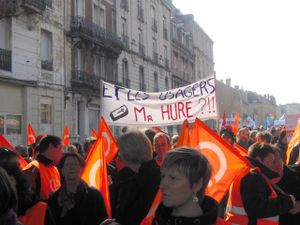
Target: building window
(153, 19)
(79, 59)
(46, 50)
(156, 89)
(99, 66)
(99, 16)
(165, 30)
(124, 5)
(11, 124)
(142, 84)
(79, 7)
(125, 38)
(140, 11)
(154, 47)
(46, 113)
(125, 79)
(167, 83)
(5, 49)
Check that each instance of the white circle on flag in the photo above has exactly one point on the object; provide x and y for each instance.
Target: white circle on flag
(223, 161)
(93, 172)
(105, 135)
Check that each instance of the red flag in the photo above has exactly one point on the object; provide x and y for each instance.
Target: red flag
(109, 143)
(226, 162)
(95, 172)
(66, 137)
(6, 144)
(236, 123)
(184, 135)
(31, 135)
(240, 149)
(294, 140)
(224, 120)
(94, 133)
(151, 214)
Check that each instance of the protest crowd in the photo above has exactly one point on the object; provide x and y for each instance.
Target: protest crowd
(149, 177)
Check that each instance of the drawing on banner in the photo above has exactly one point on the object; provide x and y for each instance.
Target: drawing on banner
(171, 107)
(119, 113)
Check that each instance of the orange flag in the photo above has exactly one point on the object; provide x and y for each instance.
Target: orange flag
(66, 137)
(184, 135)
(151, 214)
(225, 161)
(109, 143)
(94, 133)
(236, 123)
(294, 140)
(6, 144)
(31, 135)
(95, 172)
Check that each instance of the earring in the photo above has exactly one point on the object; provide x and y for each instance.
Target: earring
(195, 199)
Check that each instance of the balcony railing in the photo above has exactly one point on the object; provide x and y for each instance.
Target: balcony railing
(126, 82)
(141, 49)
(166, 34)
(83, 79)
(8, 8)
(167, 63)
(155, 57)
(5, 59)
(47, 65)
(125, 40)
(154, 25)
(37, 6)
(178, 82)
(88, 30)
(143, 87)
(140, 14)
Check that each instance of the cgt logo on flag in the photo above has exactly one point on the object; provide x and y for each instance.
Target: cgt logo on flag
(216, 158)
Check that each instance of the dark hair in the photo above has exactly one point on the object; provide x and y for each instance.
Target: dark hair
(261, 150)
(282, 135)
(8, 193)
(46, 141)
(9, 162)
(150, 133)
(192, 164)
(70, 154)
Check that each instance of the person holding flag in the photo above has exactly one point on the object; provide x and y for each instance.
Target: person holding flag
(185, 176)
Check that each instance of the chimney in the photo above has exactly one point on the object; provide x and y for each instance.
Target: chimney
(228, 82)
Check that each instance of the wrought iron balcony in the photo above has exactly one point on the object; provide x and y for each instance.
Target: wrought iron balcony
(5, 59)
(154, 25)
(126, 82)
(141, 49)
(47, 65)
(86, 29)
(178, 82)
(140, 14)
(155, 57)
(125, 40)
(8, 8)
(36, 6)
(82, 79)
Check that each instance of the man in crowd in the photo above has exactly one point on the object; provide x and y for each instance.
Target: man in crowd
(161, 145)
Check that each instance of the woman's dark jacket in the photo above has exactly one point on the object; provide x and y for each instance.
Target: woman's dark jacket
(255, 194)
(136, 192)
(89, 207)
(210, 212)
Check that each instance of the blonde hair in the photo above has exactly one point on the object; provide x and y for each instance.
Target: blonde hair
(135, 147)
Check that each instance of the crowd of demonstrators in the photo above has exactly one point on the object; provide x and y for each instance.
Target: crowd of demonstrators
(51, 186)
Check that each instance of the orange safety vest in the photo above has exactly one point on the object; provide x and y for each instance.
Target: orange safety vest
(35, 215)
(235, 212)
(50, 178)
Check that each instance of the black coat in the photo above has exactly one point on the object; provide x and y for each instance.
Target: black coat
(136, 192)
(290, 183)
(210, 212)
(255, 196)
(89, 207)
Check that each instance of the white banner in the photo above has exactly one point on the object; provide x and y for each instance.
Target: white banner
(122, 106)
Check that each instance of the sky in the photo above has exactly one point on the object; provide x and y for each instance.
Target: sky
(256, 43)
